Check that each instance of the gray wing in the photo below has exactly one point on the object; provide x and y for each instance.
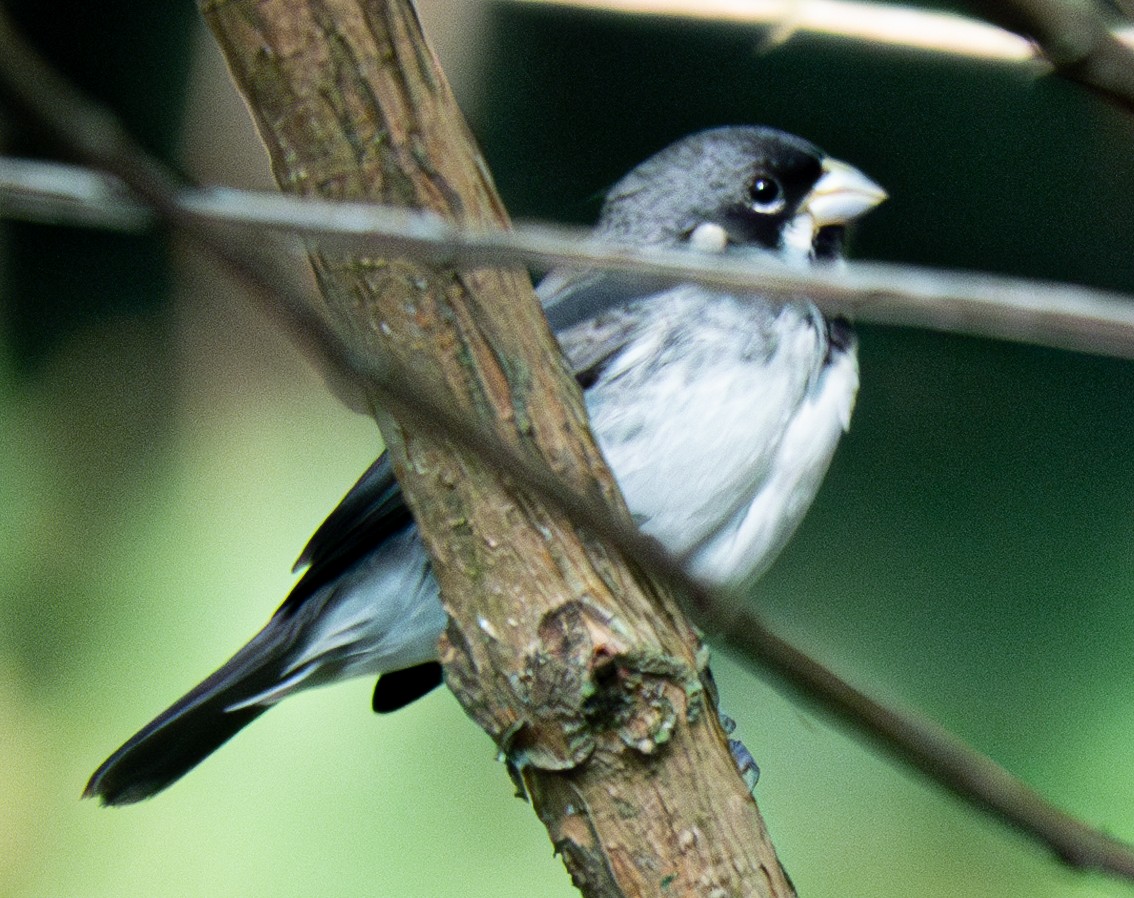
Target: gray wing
(571, 297)
(372, 511)
(589, 311)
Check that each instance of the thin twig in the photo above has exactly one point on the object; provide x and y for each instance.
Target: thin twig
(1058, 315)
(27, 82)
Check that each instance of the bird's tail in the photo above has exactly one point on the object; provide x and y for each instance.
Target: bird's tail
(198, 723)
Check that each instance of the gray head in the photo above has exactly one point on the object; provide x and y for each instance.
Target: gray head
(737, 188)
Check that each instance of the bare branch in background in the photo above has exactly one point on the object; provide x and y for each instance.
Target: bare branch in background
(1073, 37)
(912, 739)
(1076, 38)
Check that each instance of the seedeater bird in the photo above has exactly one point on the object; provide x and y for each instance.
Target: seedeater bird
(718, 413)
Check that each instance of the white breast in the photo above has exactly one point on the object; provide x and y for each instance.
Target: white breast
(719, 420)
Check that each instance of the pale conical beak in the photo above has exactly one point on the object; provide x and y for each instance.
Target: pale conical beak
(842, 194)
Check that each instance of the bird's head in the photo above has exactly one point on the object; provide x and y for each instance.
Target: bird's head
(740, 189)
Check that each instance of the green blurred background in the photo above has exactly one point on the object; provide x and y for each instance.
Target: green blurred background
(164, 454)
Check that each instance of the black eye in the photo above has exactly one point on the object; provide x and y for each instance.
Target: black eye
(766, 193)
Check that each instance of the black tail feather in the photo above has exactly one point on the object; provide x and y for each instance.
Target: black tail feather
(151, 761)
(195, 726)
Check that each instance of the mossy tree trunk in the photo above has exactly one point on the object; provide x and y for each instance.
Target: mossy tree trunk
(584, 671)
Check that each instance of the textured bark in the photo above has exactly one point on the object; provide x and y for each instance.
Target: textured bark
(584, 672)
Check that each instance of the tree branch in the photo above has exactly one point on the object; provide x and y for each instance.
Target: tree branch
(555, 647)
(1063, 316)
(1076, 38)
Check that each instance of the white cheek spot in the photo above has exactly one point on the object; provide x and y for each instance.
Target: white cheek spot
(708, 238)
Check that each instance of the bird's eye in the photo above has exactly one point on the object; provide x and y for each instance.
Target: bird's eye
(767, 195)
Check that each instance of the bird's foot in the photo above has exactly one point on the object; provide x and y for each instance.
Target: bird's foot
(745, 764)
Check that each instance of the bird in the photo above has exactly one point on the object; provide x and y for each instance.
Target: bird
(718, 412)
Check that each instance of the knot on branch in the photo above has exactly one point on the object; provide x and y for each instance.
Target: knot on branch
(631, 704)
(581, 688)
